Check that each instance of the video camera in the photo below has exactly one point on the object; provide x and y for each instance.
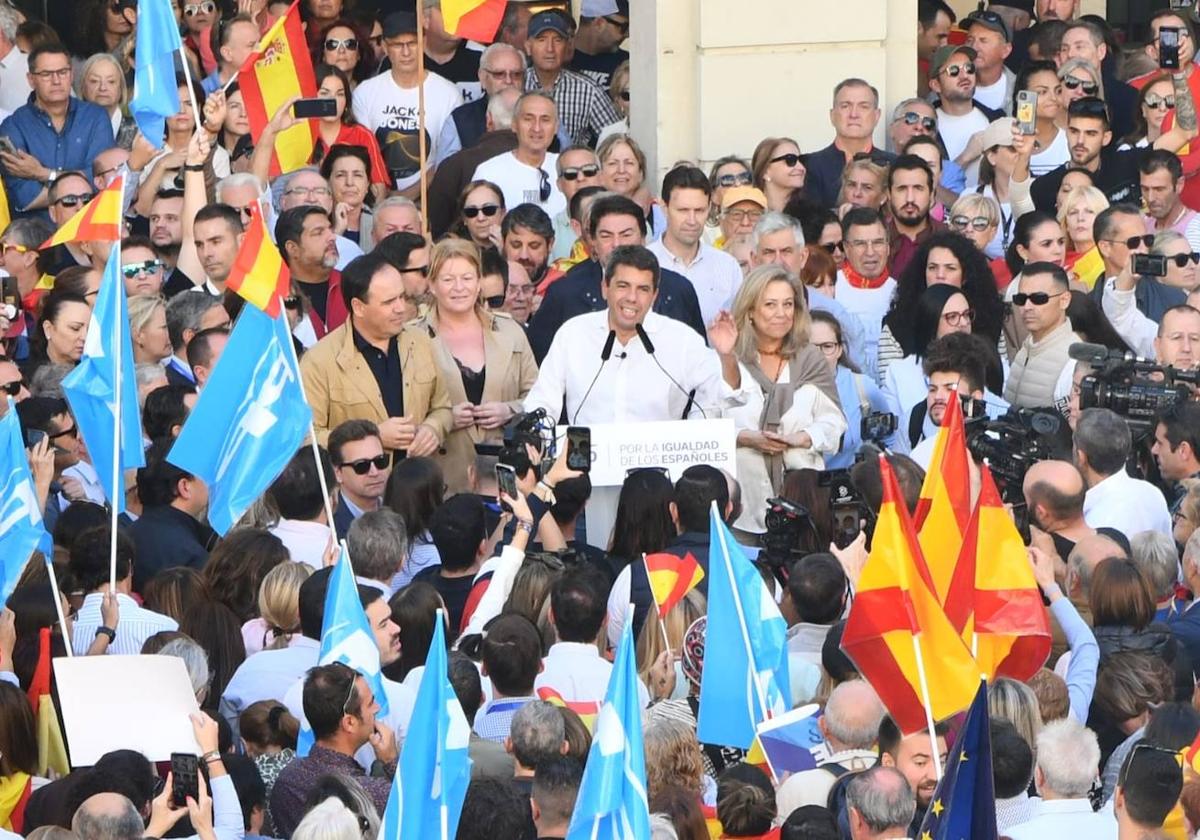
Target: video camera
(1137, 389)
(786, 522)
(847, 507)
(533, 428)
(1011, 444)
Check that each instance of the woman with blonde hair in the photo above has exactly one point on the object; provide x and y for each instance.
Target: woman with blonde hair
(483, 357)
(278, 621)
(863, 182)
(623, 171)
(1079, 79)
(148, 329)
(102, 82)
(778, 170)
(792, 419)
(673, 757)
(1015, 702)
(1078, 213)
(651, 644)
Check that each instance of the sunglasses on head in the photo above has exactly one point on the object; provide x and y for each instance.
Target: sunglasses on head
(1153, 100)
(333, 44)
(789, 160)
(488, 210)
(363, 465)
(588, 170)
(734, 179)
(1088, 106)
(912, 118)
(494, 302)
(1036, 298)
(1071, 83)
(544, 186)
(193, 9)
(134, 269)
(13, 388)
(292, 302)
(976, 223)
(73, 200)
(954, 70)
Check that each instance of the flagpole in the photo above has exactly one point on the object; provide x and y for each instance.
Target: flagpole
(62, 619)
(187, 77)
(422, 151)
(312, 431)
(921, 678)
(121, 321)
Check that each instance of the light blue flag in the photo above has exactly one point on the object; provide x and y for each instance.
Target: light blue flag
(20, 519)
(249, 420)
(155, 94)
(346, 636)
(431, 782)
(747, 640)
(90, 389)
(612, 800)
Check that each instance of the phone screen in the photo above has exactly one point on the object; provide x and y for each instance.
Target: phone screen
(506, 478)
(1168, 47)
(579, 448)
(184, 781)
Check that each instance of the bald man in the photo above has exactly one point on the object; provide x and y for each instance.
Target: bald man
(107, 816)
(1082, 562)
(1054, 493)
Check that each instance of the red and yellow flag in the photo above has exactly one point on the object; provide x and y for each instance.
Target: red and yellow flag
(99, 220)
(259, 274)
(895, 613)
(587, 710)
(476, 20)
(945, 503)
(280, 69)
(1002, 617)
(5, 214)
(671, 578)
(52, 750)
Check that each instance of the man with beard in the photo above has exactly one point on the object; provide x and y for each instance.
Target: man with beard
(166, 228)
(305, 238)
(959, 117)
(527, 235)
(1162, 182)
(910, 754)
(910, 197)
(1054, 492)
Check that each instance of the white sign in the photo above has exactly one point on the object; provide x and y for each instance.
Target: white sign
(672, 444)
(137, 703)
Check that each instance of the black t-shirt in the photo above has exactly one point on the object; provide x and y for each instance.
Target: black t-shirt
(1118, 178)
(317, 294)
(598, 68)
(454, 592)
(462, 69)
(176, 283)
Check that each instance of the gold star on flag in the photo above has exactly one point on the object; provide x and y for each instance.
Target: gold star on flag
(937, 807)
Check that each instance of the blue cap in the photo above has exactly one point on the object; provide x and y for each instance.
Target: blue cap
(549, 20)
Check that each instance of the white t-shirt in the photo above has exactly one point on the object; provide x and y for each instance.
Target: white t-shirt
(392, 113)
(522, 183)
(1051, 157)
(993, 96)
(956, 132)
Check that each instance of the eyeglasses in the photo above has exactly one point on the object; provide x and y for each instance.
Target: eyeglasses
(376, 40)
(827, 347)
(622, 25)
(1133, 241)
(193, 9)
(1036, 298)
(523, 290)
(912, 118)
(309, 191)
(734, 179)
(955, 70)
(148, 267)
(103, 174)
(13, 388)
(1182, 260)
(1153, 100)
(955, 319)
(975, 223)
(505, 75)
(544, 186)
(423, 269)
(46, 75)
(73, 200)
(348, 44)
(488, 210)
(588, 170)
(743, 216)
(363, 465)
(789, 160)
(494, 302)
(1071, 83)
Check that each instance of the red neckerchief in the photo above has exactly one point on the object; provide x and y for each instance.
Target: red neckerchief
(859, 282)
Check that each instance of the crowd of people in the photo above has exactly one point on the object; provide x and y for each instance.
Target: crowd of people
(1030, 220)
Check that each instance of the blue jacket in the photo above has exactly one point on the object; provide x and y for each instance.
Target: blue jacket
(1186, 630)
(86, 133)
(824, 179)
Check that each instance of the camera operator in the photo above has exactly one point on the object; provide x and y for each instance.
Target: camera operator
(1115, 499)
(954, 367)
(1177, 342)
(1176, 447)
(1054, 496)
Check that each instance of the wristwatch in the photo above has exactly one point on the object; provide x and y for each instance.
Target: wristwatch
(107, 631)
(53, 175)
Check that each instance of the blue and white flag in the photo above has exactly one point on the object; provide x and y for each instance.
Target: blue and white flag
(155, 92)
(346, 637)
(20, 519)
(249, 421)
(612, 801)
(91, 388)
(431, 782)
(746, 640)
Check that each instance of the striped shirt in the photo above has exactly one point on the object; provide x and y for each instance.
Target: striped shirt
(583, 107)
(135, 625)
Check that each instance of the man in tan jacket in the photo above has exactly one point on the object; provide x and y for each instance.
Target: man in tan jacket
(373, 368)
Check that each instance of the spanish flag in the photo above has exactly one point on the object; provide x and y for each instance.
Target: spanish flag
(476, 20)
(945, 503)
(895, 614)
(280, 69)
(671, 578)
(587, 710)
(5, 214)
(52, 750)
(1002, 617)
(259, 274)
(99, 220)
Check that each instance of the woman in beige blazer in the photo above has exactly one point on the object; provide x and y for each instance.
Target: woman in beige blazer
(484, 357)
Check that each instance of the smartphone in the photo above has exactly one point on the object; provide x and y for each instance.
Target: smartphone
(6, 145)
(33, 437)
(9, 292)
(506, 478)
(579, 448)
(1026, 112)
(1168, 47)
(1181, 4)
(185, 782)
(1149, 265)
(314, 108)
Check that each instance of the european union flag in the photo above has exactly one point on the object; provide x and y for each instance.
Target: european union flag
(91, 388)
(249, 420)
(748, 638)
(346, 635)
(431, 782)
(155, 94)
(20, 519)
(612, 801)
(964, 804)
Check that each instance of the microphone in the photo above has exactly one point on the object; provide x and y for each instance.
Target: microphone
(1098, 354)
(691, 395)
(605, 354)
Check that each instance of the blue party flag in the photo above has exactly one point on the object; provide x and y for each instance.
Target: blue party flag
(155, 92)
(793, 741)
(20, 518)
(429, 788)
(964, 804)
(747, 639)
(612, 801)
(249, 420)
(91, 387)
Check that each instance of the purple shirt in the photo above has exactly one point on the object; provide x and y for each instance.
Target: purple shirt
(301, 776)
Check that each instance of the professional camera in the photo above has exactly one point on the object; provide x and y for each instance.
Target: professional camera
(1137, 389)
(533, 428)
(1011, 444)
(847, 507)
(786, 522)
(877, 426)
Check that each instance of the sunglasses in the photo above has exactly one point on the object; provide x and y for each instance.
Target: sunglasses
(1134, 241)
(292, 302)
(1182, 259)
(1036, 298)
(333, 44)
(12, 246)
(423, 269)
(623, 96)
(1071, 83)
(488, 210)
(73, 200)
(954, 70)
(789, 160)
(912, 118)
(544, 186)
(13, 388)
(494, 302)
(64, 433)
(363, 465)
(833, 247)
(976, 223)
(193, 9)
(1153, 100)
(588, 170)
(734, 179)
(967, 316)
(148, 267)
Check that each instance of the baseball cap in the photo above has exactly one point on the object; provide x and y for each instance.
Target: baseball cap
(999, 133)
(943, 55)
(399, 23)
(738, 194)
(989, 19)
(549, 20)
